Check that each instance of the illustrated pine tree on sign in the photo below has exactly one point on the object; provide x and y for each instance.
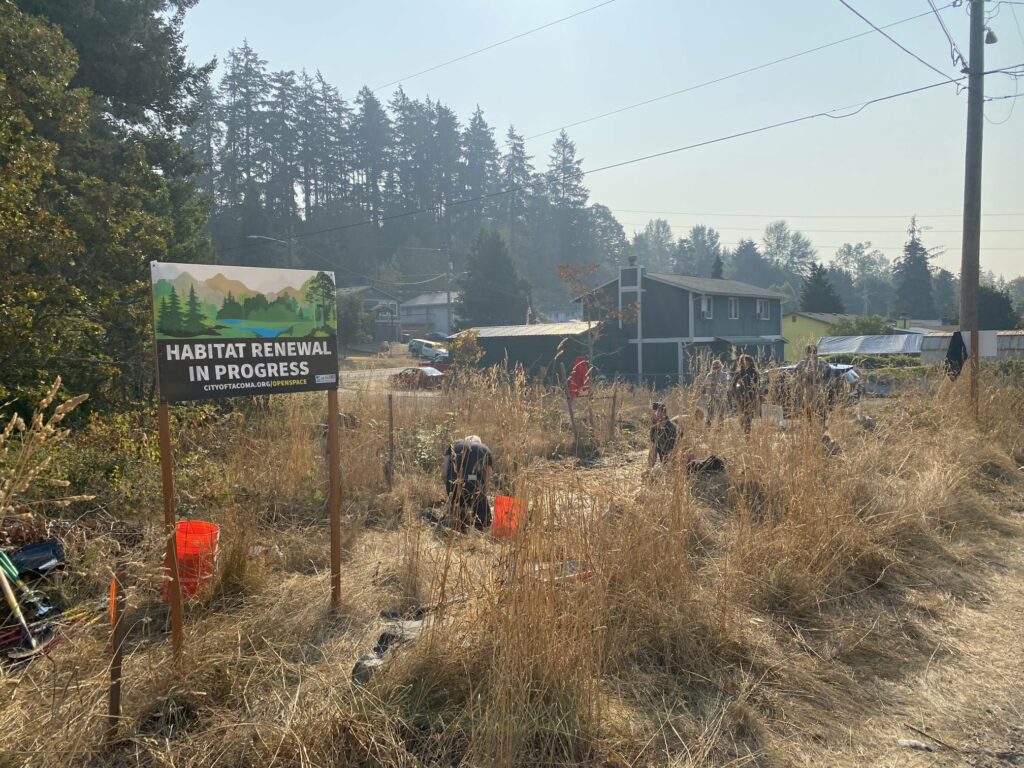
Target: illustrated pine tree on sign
(169, 318)
(195, 319)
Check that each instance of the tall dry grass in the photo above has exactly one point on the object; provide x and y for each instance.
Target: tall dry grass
(676, 621)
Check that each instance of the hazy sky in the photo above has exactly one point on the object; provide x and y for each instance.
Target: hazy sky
(894, 159)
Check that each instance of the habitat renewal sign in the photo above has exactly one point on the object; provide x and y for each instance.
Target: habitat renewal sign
(226, 331)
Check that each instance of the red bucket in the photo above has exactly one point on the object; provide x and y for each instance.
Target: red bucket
(197, 543)
(507, 514)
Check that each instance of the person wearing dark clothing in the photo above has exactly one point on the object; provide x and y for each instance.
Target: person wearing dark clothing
(814, 381)
(468, 465)
(746, 391)
(664, 435)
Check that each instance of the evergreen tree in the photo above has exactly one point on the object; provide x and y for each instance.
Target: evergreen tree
(717, 268)
(995, 310)
(842, 281)
(913, 278)
(748, 265)
(279, 142)
(172, 321)
(121, 184)
(818, 294)
(244, 91)
(195, 318)
(371, 146)
(230, 309)
(480, 173)
(492, 293)
(568, 198)
(203, 139)
(516, 174)
(945, 292)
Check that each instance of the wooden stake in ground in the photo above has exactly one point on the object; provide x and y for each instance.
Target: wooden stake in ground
(117, 635)
(572, 416)
(389, 469)
(170, 528)
(334, 495)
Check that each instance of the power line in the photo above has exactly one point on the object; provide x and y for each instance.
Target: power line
(820, 231)
(857, 109)
(494, 45)
(895, 42)
(808, 215)
(954, 50)
(723, 78)
(491, 195)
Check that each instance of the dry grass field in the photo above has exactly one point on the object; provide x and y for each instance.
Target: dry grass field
(803, 609)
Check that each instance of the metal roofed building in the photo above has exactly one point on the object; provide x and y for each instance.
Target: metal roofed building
(540, 349)
(895, 344)
(1009, 345)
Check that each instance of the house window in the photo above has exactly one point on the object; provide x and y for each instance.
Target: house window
(734, 308)
(764, 309)
(706, 307)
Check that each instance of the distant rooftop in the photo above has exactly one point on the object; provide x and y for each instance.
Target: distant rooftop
(432, 299)
(571, 328)
(714, 286)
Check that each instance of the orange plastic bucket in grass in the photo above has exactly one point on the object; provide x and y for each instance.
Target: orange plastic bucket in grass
(197, 544)
(507, 514)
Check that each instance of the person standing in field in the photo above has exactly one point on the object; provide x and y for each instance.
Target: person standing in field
(664, 435)
(814, 378)
(746, 391)
(716, 391)
(468, 466)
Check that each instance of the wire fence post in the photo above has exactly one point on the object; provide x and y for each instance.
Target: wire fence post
(611, 416)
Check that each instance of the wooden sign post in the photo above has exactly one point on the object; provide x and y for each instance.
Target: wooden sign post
(334, 495)
(171, 532)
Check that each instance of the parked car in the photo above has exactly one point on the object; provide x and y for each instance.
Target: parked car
(424, 377)
(431, 349)
(436, 336)
(843, 385)
(415, 346)
(441, 362)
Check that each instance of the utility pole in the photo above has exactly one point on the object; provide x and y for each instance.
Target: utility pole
(969, 253)
(448, 304)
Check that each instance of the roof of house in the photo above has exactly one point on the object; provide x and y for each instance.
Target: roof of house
(355, 290)
(895, 344)
(571, 328)
(432, 299)
(830, 318)
(714, 286)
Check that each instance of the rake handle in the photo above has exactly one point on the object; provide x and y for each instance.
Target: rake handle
(12, 602)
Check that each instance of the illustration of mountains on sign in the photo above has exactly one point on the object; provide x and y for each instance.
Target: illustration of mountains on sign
(207, 301)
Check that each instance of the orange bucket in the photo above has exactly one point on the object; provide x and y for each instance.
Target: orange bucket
(197, 543)
(507, 514)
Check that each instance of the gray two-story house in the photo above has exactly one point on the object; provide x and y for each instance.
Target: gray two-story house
(656, 326)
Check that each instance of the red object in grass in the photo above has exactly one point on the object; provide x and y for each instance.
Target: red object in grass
(579, 381)
(197, 544)
(507, 514)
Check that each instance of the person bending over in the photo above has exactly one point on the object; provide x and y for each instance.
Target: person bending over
(468, 465)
